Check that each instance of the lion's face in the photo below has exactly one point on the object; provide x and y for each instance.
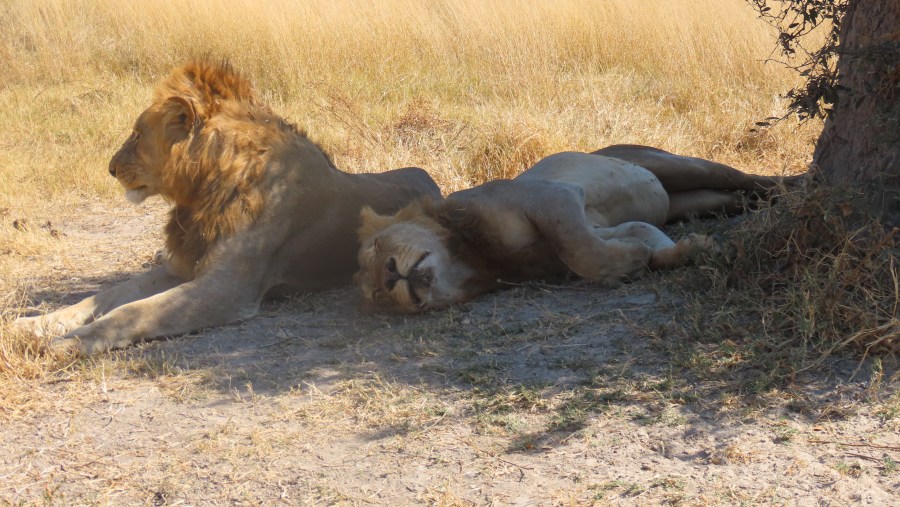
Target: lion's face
(139, 164)
(405, 265)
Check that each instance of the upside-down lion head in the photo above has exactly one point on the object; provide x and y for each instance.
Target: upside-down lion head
(405, 263)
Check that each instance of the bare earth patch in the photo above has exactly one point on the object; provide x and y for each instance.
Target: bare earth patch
(541, 395)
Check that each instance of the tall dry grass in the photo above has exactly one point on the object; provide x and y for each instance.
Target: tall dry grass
(469, 89)
(488, 79)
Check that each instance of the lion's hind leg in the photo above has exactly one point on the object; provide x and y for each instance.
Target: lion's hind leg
(679, 173)
(699, 203)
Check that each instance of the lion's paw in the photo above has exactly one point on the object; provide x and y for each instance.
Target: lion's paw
(41, 326)
(94, 338)
(683, 251)
(67, 345)
(695, 243)
(53, 324)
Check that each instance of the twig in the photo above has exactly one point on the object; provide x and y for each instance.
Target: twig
(873, 446)
(863, 456)
(493, 455)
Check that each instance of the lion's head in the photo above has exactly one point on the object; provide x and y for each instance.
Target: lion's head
(406, 264)
(147, 164)
(140, 163)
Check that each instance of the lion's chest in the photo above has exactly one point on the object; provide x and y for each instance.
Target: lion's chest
(511, 230)
(509, 246)
(520, 252)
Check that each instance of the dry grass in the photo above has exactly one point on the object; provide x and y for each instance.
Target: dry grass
(811, 276)
(497, 86)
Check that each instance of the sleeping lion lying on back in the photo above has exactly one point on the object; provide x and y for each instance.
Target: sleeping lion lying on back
(596, 215)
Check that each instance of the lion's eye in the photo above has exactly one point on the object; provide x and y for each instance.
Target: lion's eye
(375, 245)
(135, 135)
(375, 294)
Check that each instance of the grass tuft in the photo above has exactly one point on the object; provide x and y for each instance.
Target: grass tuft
(506, 150)
(810, 276)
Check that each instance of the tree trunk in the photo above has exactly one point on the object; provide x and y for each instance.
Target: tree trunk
(860, 143)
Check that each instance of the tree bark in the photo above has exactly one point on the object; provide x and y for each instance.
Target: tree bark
(860, 144)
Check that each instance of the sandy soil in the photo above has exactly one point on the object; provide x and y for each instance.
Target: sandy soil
(539, 395)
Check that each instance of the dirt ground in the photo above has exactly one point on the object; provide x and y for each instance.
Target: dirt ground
(563, 394)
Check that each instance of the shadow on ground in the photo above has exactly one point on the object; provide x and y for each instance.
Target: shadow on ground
(572, 352)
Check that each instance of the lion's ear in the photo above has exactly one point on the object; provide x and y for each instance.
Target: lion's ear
(182, 116)
(371, 223)
(417, 208)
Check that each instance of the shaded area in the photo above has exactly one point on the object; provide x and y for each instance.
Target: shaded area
(570, 353)
(530, 394)
(53, 294)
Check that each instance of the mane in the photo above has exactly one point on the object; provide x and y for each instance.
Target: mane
(208, 84)
(466, 238)
(214, 175)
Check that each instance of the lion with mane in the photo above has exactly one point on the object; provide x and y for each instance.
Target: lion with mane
(596, 215)
(257, 210)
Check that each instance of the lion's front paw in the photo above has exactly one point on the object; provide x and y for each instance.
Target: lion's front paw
(72, 343)
(66, 345)
(95, 338)
(682, 251)
(41, 326)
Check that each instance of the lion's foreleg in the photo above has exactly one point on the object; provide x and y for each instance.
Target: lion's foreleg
(605, 258)
(665, 253)
(607, 261)
(86, 311)
(204, 302)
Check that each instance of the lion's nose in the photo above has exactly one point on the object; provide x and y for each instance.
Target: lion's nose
(390, 275)
(112, 169)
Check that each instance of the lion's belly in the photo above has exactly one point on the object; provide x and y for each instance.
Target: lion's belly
(615, 191)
